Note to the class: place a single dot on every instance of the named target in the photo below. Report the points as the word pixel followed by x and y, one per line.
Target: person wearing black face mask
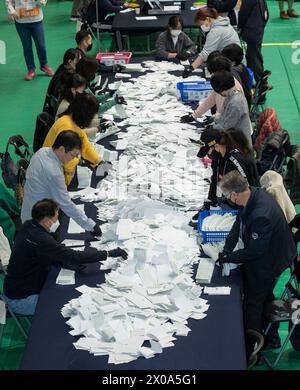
pixel 35 250
pixel 268 250
pixel 229 151
pixel 85 44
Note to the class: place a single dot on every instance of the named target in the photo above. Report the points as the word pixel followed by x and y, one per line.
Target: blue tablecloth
pixel 215 342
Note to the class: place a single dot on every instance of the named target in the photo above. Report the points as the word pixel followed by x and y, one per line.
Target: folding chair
pixel 285 309
pixel 15 317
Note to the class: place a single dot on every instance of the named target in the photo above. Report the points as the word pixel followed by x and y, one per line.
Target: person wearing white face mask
pixel 220 34
pixel 35 249
pixel 174 44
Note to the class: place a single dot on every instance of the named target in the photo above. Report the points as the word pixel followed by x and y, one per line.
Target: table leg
pixel 119 40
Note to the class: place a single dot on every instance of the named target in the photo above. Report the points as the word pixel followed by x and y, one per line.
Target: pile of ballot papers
pixel 146 300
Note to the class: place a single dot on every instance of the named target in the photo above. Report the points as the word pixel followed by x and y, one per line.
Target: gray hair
pixel 233 182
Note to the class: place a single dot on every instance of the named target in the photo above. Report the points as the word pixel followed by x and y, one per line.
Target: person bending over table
pixel 268 250
pixel 174 44
pixel 77 117
pixel 35 250
pixel 230 151
pixel 235 112
pixel 216 62
pixel 87 68
pixel 45 179
pixel 220 34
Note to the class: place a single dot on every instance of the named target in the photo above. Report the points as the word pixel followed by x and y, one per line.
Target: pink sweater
pixel 213 99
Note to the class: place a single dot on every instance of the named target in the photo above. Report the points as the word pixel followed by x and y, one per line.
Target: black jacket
pixel 240 72
pixel 268 243
pixel 34 251
pixel 105 7
pixel 233 161
pixel 253 17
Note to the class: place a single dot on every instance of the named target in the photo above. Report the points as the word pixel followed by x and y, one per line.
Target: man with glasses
pixel 268 248
pixel 45 179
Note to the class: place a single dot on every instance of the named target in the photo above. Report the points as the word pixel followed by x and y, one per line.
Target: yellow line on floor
pixel 297 43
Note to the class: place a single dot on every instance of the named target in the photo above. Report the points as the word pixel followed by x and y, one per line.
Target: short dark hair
pixel 74 81
pixel 69 140
pixel 82 108
pixel 81 35
pixel 233 181
pixel 222 81
pixel 217 62
pixel 87 68
pixel 44 208
pixel 174 21
pixel 234 53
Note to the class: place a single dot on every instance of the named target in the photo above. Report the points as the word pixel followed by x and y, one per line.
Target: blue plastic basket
pixel 191 91
pixel 211 236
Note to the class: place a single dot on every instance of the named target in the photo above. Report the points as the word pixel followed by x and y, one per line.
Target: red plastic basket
pixel 114 58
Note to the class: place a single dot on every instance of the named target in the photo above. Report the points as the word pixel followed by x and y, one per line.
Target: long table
pixel 127 23
pixel 215 343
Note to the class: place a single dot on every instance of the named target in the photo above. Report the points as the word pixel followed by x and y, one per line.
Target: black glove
pixel 118 253
pixel 187 71
pixel 111 92
pixel 187 118
pixel 183 56
pixel 208 120
pixel 223 258
pixel 97 231
pixel 120 100
pixel 118 68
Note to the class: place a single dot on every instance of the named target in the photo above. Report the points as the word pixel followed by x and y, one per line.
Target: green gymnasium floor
pixel 21 101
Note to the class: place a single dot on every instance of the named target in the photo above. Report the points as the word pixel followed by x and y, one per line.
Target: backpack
pixel 274 150
pixel 292 175
pixel 13 173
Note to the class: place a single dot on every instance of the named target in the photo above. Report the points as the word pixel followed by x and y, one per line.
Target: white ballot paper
pixel 65 277
pixel 217 290
pixel 74 228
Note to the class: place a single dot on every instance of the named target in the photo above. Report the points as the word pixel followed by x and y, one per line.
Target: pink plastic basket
pixel 114 58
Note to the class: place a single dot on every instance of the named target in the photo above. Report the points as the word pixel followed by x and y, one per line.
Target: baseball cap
pixel 208 139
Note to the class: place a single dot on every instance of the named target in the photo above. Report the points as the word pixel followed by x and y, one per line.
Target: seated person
pixel 85 44
pixel 60 77
pixel 230 151
pixel 235 112
pixel 174 44
pixel 105 8
pixel 35 250
pixel 87 68
pixel 76 85
pixel 77 117
pixel 45 179
pixel 216 62
pixel 235 54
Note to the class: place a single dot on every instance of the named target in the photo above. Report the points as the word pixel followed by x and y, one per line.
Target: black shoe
pixel 254 343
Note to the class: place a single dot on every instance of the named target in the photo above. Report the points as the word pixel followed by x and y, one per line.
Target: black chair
pixel 44 122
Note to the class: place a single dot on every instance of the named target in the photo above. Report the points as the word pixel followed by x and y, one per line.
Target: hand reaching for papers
pixel 120 100
pixel 97 232
pixel 183 56
pixel 118 68
pixel 187 118
pixel 187 71
pixel 118 252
